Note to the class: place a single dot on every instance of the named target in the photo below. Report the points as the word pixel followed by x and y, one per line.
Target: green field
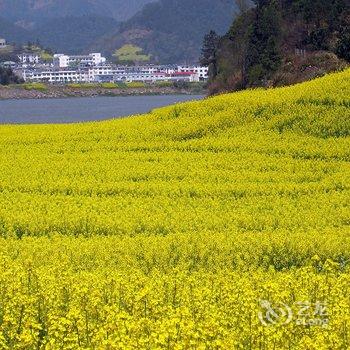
pixel 166 230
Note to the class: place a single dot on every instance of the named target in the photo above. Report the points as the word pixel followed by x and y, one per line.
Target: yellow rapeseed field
pixel 218 224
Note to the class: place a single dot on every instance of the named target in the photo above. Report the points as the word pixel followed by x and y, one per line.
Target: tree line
pixel 266 32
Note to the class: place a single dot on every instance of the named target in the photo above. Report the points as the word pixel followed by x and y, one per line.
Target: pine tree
pixel 263 50
pixel 209 50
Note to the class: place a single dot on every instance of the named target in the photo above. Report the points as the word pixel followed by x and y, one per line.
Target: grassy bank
pixel 41 90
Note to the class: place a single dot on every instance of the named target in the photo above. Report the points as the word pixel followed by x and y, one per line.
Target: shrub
pixel 35 86
pixel 82 85
pixel 164 83
pixel 109 86
pixel 135 85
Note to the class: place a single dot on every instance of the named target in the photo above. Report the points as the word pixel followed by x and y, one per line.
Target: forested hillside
pixel 172 30
pixel 34 10
pixel 168 30
pixel 13 32
pixel 73 39
pixel 64 25
pixel 281 42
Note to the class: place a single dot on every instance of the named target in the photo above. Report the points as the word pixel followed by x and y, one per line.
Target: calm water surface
pixel 71 110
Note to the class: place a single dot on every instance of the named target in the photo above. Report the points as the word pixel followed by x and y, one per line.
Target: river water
pixel 72 110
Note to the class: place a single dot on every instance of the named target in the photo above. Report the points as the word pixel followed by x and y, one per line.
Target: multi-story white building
pixel 132 76
pixel 29 58
pixel 99 72
pixel 104 74
pixel 146 69
pixel 65 61
pixel 147 77
pixel 106 70
pixel 57 76
pixel 185 76
pixel 2 43
pixel 201 71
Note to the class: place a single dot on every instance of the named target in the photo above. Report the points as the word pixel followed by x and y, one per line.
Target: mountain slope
pixel 64 25
pixel 33 10
pixel 73 39
pixel 13 33
pixel 172 30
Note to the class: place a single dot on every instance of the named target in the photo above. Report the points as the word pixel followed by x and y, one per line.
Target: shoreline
pixel 57 92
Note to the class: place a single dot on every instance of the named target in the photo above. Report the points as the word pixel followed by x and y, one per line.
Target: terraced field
pixel 176 229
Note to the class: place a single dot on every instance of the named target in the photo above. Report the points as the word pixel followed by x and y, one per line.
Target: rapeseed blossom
pixel 195 226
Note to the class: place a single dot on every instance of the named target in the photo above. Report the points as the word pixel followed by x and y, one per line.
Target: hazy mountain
pixel 64 25
pixel 12 32
pixel 33 10
pixel 72 39
pixel 62 34
pixel 171 30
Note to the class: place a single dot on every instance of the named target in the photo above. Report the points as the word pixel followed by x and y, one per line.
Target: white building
pixel 8 64
pixel 57 76
pixel 185 76
pixel 104 74
pixel 132 76
pixel 98 72
pixel 65 61
pixel 146 69
pixel 2 43
pixel 106 70
pixel 29 58
pixel 201 71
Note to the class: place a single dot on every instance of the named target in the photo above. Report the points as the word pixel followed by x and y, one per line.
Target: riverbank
pixel 40 91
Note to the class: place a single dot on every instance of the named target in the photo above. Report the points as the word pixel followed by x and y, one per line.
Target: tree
pixel 343 47
pixel 259 49
pixel 209 51
pixel 242 6
pixel 261 3
pixel 263 49
pixel 239 35
pixel 8 77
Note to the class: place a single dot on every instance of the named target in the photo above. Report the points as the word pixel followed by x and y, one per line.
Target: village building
pixel 2 43
pixel 57 76
pixel 92 68
pixel 200 70
pixel 29 58
pixel 8 64
pixel 90 60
